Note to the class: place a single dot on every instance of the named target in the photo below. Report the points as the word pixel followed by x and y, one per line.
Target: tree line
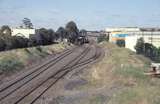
pixel 148 50
pixel 42 36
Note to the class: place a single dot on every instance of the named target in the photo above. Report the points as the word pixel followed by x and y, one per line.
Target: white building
pixel 120 33
pixel 149 37
pixel 131 34
pixel 122 29
pixel 22 32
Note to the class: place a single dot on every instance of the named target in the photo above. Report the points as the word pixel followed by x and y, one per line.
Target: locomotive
pixel 82 40
pixel 78 38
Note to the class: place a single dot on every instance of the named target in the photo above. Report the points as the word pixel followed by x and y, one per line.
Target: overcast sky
pixel 88 14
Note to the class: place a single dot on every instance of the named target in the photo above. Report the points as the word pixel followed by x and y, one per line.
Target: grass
pixel 8 65
pixel 98 99
pixel 15 60
pixel 128 70
pixel 124 70
pixel 143 94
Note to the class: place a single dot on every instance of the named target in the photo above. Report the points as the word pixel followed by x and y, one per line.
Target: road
pixel 29 86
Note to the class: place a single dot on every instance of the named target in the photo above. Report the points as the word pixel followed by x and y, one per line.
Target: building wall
pixel 120 33
pixel 114 36
pixel 131 35
pixel 122 29
pixel 152 38
pixel 130 42
pixel 23 32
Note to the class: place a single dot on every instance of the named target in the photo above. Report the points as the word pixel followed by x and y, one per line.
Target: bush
pixel 42 37
pixel 133 72
pixel 102 38
pixel 39 48
pixel 19 42
pixel 32 41
pixel 2 44
pixel 10 64
pixel 148 50
pixel 8 43
pixel 140 46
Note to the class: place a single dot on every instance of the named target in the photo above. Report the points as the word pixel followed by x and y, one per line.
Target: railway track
pixel 4 92
pixel 51 80
pixel 24 75
pixel 22 88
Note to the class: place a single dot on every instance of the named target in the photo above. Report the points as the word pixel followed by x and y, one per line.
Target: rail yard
pixel 29 86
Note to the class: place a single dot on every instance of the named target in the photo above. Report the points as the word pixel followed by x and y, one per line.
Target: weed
pixel 10 64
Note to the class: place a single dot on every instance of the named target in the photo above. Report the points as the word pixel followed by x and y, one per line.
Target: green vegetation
pixel 72 32
pixel 27 23
pixel 10 64
pixel 97 100
pixel 133 72
pixel 138 95
pixel 62 33
pixel 126 69
pixel 14 60
pixel 148 50
pixel 102 38
pixel 42 36
pixel 120 76
pixel 140 46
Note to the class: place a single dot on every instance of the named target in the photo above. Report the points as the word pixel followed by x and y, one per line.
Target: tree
pixel 71 26
pixel 140 46
pixel 2 44
pixel 19 42
pixel 151 51
pixel 6 37
pixel 41 36
pixel 6 30
pixel 46 37
pixel 61 32
pixel 158 58
pixel 147 49
pixel 72 31
pixel 51 36
pixel 27 23
pixel 33 41
pixel 154 53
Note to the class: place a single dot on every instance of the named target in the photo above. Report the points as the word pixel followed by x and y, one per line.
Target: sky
pixel 88 14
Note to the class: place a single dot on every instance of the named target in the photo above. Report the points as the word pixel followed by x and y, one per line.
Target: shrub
pixel 2 44
pixel 39 48
pixel 102 38
pixel 148 50
pixel 8 42
pixel 42 37
pixel 133 72
pixel 19 42
pixel 10 64
pixel 32 41
pixel 140 46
